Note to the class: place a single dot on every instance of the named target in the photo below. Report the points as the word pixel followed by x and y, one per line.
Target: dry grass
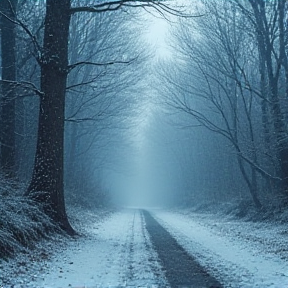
pixel 22 220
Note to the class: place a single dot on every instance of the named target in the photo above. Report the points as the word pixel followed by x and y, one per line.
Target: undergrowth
pixel 246 210
pixel 22 220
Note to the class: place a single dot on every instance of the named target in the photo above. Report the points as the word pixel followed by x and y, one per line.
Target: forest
pixel 94 116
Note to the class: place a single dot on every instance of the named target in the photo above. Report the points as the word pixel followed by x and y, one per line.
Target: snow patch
pixel 234 262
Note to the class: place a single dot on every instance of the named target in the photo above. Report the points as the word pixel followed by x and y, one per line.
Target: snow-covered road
pixel 234 261
pixel 118 253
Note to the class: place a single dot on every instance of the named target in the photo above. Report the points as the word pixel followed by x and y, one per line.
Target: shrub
pixel 22 220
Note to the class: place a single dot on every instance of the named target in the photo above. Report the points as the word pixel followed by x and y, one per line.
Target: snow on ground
pixel 119 255
pixel 116 252
pixel 237 253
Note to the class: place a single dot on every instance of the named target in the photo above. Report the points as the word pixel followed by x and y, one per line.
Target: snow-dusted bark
pixel 47 180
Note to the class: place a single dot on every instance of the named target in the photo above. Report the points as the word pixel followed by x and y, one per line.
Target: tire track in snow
pixel 181 269
pixel 130 251
pixel 143 265
pixel 234 262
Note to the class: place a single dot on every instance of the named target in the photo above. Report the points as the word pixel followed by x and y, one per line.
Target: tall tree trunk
pixel 252 184
pixel 266 48
pixel 8 54
pixel 283 142
pixel 47 180
pixel 71 156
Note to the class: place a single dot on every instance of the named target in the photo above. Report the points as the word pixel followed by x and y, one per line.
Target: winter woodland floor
pixel 129 248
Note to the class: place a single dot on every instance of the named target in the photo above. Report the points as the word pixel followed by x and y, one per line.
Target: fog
pixel 161 111
pixel 164 157
pixel 151 175
pixel 180 105
pixel 165 163
pixel 186 132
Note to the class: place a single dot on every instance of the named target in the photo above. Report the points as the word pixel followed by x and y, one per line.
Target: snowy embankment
pixel 239 254
pixel 116 252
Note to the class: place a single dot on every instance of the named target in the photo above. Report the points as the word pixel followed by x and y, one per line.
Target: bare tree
pixel 47 179
pixel 218 87
pixel 100 99
pixel 270 30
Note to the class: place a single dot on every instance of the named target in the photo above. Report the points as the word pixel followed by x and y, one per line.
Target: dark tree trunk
pixel 265 44
pixel 252 184
pixel 8 54
pixel 47 180
pixel 283 142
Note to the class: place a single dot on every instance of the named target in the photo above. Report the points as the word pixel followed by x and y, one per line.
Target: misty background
pixel 181 111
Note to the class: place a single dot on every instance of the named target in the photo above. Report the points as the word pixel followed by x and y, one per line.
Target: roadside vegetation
pixel 22 221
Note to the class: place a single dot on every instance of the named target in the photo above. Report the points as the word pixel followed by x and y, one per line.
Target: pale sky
pixel 157 36
pixel 158 29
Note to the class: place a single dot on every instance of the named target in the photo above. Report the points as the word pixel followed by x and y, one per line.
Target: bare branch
pixel 72 66
pixel 157 5
pixel 29 33
pixel 25 85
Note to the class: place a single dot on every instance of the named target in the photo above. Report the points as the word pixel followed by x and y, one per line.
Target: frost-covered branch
pixel 72 66
pixel 18 22
pixel 23 84
pixel 157 5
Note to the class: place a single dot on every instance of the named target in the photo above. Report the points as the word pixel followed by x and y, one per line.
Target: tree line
pixel 231 79
pixel 65 72
pixel 69 70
